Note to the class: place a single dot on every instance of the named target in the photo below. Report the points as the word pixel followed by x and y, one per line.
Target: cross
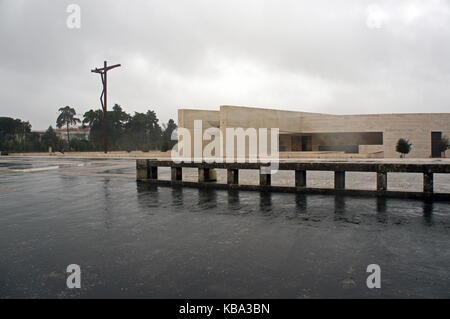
pixel 103 98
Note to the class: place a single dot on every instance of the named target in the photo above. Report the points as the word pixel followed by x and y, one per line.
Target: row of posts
pixel 300 178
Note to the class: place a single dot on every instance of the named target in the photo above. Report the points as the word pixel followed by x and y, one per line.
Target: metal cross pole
pixel 103 98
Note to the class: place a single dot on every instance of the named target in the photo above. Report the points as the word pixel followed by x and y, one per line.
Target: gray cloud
pixel 322 56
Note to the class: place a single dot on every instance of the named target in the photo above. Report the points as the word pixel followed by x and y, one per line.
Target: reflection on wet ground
pixel 140 240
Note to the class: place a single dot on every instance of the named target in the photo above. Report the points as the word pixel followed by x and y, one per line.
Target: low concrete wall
pixel 147 170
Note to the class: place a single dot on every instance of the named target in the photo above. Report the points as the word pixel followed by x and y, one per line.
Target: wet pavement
pixel 138 240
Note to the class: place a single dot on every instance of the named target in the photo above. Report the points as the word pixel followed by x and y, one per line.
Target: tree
pixel 14 128
pixel 115 121
pixel 168 129
pixel 444 145
pixel 94 120
pixel 91 117
pixel 67 117
pixel 120 118
pixel 13 133
pixel 143 131
pixel 50 139
pixel 403 147
pixel 80 145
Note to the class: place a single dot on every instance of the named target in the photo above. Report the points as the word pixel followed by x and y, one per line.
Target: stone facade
pixel 370 134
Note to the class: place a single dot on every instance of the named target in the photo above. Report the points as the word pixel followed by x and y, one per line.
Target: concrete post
pixel 232 176
pixel 264 179
pixel 428 182
pixel 212 175
pixel 381 181
pixel 153 172
pixel 203 175
pixel 339 180
pixel 300 178
pixel 176 173
pixel 141 169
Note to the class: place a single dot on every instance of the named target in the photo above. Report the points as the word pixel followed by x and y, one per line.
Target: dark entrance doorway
pixel 296 143
pixel 306 143
pixel 435 139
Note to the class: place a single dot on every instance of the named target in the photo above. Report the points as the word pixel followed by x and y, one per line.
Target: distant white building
pixel 74 132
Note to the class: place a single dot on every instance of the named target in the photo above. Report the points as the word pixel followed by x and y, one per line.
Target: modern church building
pixel 304 134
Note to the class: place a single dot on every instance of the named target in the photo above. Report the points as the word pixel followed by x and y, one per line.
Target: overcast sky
pixel 341 57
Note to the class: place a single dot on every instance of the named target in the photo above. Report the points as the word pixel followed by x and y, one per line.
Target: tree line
pixel 126 132
pixel 16 136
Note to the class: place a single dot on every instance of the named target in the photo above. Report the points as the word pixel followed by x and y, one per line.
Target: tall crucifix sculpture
pixel 103 98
